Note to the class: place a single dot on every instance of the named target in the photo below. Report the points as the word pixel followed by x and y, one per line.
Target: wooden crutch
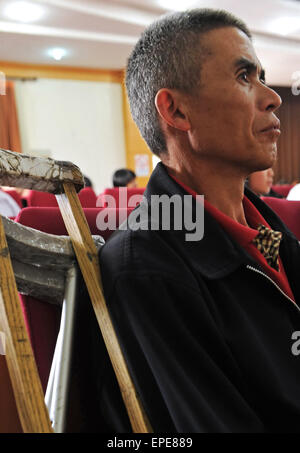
pixel 65 179
pixel 26 384
pixel 45 267
pixel 37 262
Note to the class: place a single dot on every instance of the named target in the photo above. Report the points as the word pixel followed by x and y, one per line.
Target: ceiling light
pixel 285 25
pixel 24 11
pixel 57 53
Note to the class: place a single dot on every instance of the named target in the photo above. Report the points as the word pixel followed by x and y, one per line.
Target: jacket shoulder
pixel 142 252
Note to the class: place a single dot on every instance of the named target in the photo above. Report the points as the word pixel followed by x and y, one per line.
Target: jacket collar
pixel 216 254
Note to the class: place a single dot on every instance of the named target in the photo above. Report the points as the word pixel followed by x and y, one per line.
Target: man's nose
pixel 270 100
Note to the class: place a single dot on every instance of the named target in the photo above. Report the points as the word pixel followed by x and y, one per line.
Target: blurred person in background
pixel 260 182
pixel 87 182
pixel 8 206
pixel 124 178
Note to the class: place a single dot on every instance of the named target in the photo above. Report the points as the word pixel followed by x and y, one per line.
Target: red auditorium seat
pixel 50 220
pixel 282 189
pixel 40 199
pixel 87 197
pixel 288 211
pixel 124 197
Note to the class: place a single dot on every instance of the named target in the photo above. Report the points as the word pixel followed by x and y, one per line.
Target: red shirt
pixel 244 235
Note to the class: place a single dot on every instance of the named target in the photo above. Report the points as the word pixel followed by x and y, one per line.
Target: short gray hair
pixel 169 55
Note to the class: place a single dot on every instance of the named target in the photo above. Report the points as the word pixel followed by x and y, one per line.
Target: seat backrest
pixel 40 199
pixel 282 189
pixel 288 211
pixel 87 197
pixel 124 197
pixel 50 220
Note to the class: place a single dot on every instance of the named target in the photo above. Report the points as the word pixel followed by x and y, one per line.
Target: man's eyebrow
pixel 250 66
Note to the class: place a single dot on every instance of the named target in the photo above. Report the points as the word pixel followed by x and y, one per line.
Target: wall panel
pixel 287 168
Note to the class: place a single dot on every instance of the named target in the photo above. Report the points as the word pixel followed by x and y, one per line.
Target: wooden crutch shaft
pixel 21 364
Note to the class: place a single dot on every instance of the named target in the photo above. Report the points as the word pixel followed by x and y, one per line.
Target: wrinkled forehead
pixel 228 46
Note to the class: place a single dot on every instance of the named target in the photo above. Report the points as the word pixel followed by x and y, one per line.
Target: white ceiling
pixel 101 34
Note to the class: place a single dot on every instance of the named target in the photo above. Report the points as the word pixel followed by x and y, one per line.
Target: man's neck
pixel 221 186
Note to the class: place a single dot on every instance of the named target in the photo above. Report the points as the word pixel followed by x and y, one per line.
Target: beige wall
pixel 135 144
pixel 287 167
pixel 74 120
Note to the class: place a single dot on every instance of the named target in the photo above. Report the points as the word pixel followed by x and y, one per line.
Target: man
pixel 207 326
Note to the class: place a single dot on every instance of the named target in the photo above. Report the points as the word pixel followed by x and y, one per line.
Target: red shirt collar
pixel 243 234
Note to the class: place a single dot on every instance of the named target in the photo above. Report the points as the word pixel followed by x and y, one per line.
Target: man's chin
pixel 262 165
pixel 269 157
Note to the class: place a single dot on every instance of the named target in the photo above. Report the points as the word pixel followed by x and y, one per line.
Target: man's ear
pixel 171 109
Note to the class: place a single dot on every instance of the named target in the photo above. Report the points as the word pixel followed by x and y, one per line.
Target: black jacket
pixel 207 335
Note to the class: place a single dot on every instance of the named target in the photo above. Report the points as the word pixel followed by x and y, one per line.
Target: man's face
pixel 232 111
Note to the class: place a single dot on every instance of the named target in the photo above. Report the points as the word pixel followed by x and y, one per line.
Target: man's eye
pixel 244 76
